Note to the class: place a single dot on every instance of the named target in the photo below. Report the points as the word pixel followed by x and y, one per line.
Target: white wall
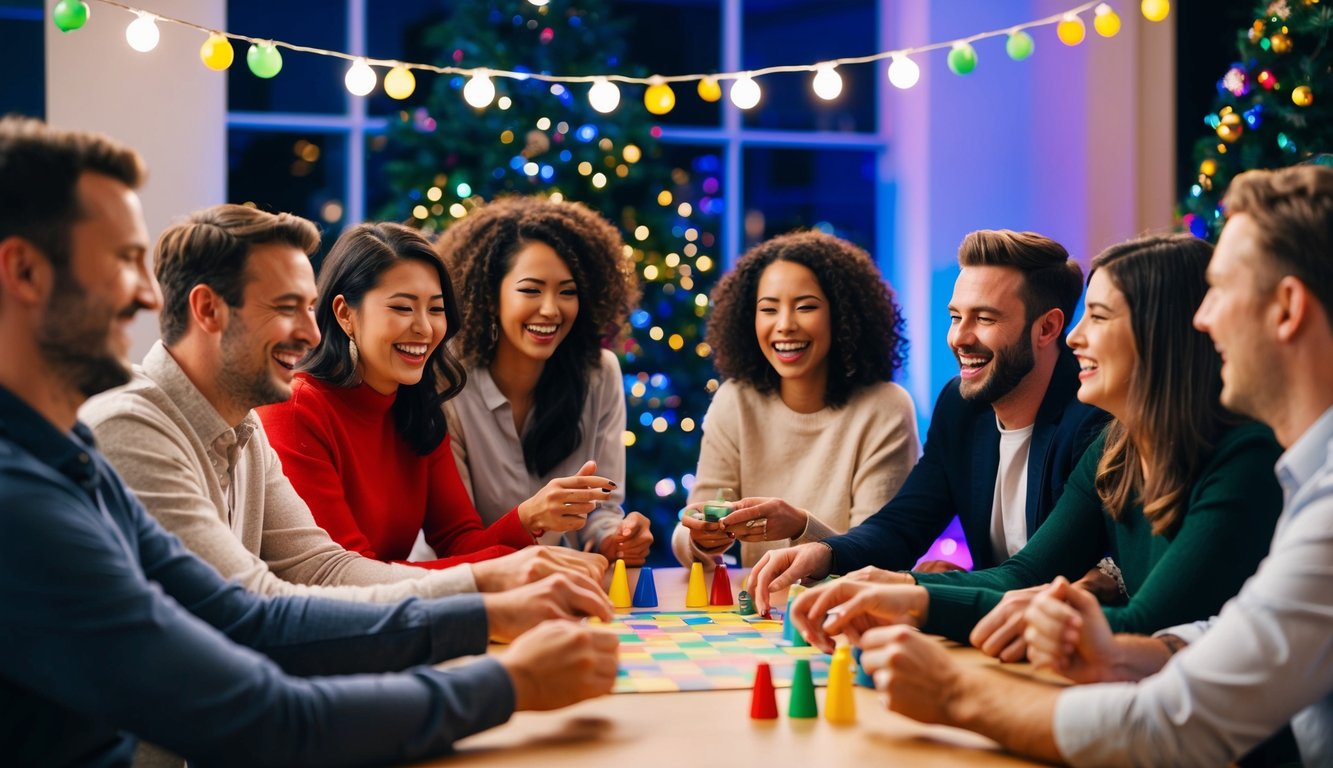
pixel 164 103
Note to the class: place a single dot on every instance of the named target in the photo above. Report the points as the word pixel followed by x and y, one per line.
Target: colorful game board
pixel 704 651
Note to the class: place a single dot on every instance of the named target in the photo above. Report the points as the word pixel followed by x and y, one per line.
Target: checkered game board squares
pixel 704 651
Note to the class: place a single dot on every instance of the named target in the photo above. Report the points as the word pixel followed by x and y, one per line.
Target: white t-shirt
pixel 1008 521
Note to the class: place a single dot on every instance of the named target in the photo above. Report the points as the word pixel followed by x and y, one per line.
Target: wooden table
pixel 714 728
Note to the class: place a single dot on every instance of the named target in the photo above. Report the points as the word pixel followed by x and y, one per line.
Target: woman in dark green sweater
pixel 1178 492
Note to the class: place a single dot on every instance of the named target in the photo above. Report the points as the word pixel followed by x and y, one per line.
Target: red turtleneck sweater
pixel 368 488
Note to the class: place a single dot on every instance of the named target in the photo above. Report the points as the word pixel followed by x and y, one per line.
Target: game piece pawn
pixel 746 604
pixel 619 592
pixel 789 631
pixel 862 679
pixel 840 701
pixel 696 596
pixel 763 699
pixel 802 703
pixel 645 592
pixel 721 587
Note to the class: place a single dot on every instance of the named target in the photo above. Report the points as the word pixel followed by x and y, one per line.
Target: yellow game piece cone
pixel 839 701
pixel 619 592
pixel 697 595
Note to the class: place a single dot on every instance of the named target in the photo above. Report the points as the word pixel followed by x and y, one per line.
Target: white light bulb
pixel 479 91
pixel 360 78
pixel 604 96
pixel 828 83
pixel 539 3
pixel 142 34
pixel 903 72
pixel 745 92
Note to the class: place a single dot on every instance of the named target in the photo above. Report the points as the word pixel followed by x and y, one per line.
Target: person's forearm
pixel 1015 712
pixel 1137 657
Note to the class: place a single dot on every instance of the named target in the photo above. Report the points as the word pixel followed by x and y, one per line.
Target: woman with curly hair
pixel 544 285
pixel 363 437
pixel 808 426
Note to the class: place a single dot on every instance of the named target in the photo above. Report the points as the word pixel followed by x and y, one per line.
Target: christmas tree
pixel 536 137
pixel 1274 106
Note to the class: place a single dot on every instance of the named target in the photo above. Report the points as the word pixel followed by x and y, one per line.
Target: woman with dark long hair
pixel 1176 499
pixel 807 426
pixel 363 438
pixel 545 286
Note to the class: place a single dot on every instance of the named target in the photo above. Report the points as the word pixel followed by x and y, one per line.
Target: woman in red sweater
pixel 363 437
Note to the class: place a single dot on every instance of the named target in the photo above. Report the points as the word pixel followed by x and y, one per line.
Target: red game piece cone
pixel 763 700
pixel 721 587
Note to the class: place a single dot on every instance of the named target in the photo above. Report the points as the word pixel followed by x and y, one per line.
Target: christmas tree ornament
pixel 1230 127
pixel 1281 43
pixel 1302 96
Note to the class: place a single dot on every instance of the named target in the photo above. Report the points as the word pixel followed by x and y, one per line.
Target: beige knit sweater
pixel 840 465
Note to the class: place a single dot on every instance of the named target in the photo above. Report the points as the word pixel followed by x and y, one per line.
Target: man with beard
pixel 1004 435
pixel 1204 693
pixel 238 291
pixel 113 630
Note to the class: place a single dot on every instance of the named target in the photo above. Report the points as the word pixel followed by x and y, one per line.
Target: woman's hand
pixel 760 518
pixel 711 537
pixel 564 503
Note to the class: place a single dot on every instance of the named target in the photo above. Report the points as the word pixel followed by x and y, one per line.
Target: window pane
pixel 398 30
pixel 24 90
pixel 830 189
pixel 295 172
pixel 307 82
pixel 778 32
pixel 677 38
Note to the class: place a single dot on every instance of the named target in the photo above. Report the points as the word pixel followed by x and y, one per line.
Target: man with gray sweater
pixel 238 289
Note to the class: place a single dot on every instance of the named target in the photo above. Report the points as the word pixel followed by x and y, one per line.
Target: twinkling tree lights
pixel 465 140
pixel 1274 106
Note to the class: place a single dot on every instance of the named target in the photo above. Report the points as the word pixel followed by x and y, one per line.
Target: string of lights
pixel 264 59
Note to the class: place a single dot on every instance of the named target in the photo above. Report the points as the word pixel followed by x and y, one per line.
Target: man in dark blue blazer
pixel 1017 381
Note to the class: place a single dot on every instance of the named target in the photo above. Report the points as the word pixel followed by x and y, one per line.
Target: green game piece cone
pixel 802 704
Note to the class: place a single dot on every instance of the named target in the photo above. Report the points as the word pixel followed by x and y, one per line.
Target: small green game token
pixel 720 507
pixel 746 604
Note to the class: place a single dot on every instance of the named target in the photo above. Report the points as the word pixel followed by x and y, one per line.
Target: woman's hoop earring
pixel 353 353
pixel 495 332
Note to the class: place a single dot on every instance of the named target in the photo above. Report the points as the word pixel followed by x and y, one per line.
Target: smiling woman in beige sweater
pixel 808 428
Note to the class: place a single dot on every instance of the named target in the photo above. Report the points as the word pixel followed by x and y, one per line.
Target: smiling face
pixel 84 330
pixel 539 302
pixel 792 322
pixel 989 333
pixel 1235 313
pixel 398 326
pixel 1103 343
pixel 272 329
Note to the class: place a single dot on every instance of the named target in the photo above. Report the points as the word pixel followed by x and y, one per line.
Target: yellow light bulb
pixel 659 99
pixel 709 90
pixel 1107 21
pixel 1155 10
pixel 216 52
pixel 1071 30
pixel 400 82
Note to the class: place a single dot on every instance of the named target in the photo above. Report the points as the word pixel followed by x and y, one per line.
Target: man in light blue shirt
pixel 1206 693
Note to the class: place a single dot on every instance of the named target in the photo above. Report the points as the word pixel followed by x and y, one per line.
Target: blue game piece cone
pixel 645 592
pixel 862 679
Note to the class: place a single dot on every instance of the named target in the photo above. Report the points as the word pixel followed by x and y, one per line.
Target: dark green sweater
pixel 1182 577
